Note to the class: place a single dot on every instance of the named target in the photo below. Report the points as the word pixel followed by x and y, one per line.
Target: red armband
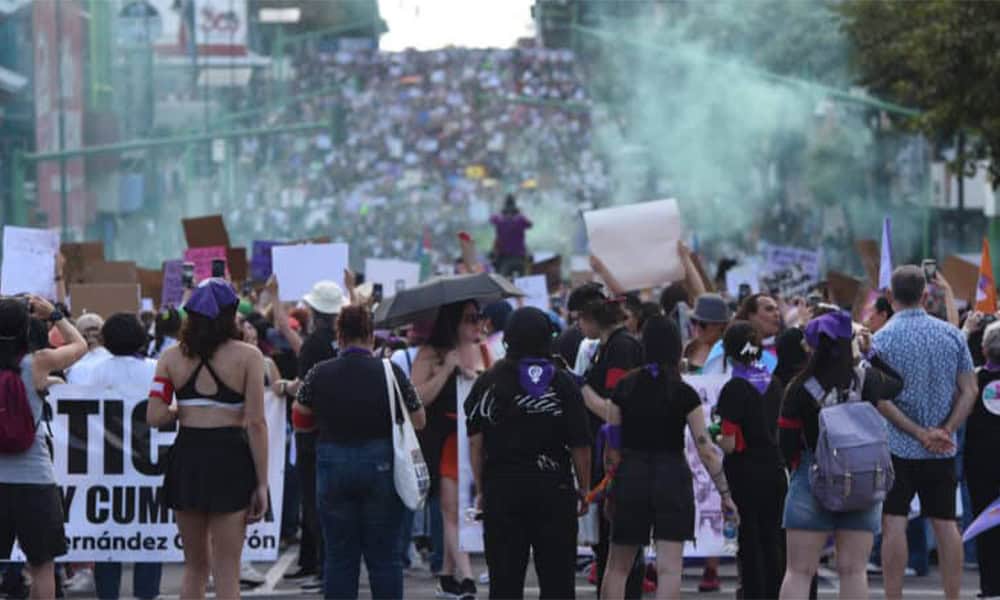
pixel 614 375
pixel 732 429
pixel 303 422
pixel 786 423
pixel 163 389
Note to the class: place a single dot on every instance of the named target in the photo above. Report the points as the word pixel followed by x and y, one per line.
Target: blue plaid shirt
pixel 929 354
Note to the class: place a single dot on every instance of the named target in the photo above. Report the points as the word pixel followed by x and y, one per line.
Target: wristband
pixel 162 389
pixel 56 316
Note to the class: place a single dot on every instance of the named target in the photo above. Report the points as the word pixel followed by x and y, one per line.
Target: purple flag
pixel 885 261
pixel 988 519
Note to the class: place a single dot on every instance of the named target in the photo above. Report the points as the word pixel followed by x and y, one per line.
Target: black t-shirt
pixel 568 343
pixel 754 413
pixel 349 398
pixel 613 360
pixel 317 347
pixel 525 435
pixel 982 430
pixel 654 411
pixel 800 410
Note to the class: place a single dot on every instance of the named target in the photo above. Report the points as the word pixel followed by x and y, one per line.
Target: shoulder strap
pixel 395 395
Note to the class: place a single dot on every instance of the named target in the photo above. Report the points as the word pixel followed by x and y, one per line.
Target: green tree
pixel 941 57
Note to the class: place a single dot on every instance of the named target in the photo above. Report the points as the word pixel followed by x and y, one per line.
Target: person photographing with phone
pixel 216 472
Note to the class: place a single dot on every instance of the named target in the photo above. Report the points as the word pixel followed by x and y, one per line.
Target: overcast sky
pixel 429 24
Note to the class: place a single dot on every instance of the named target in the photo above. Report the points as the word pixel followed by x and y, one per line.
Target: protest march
pixel 399 298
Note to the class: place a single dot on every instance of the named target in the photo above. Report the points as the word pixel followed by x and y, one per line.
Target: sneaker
pixel 467 590
pixel 873 569
pixel 709 581
pixel 302 573
pixel 82 582
pixel 448 588
pixel 312 586
pixel 910 572
pixel 250 576
pixel 484 579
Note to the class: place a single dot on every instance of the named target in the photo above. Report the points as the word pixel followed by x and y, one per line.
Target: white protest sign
pixel 111 473
pixel 708 516
pixel 536 292
pixel 784 257
pixel 708 511
pixel 470 531
pixel 299 267
pixel 394 275
pixel 638 242
pixel 29 261
pixel 744 274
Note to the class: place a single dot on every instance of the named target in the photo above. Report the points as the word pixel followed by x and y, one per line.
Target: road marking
pixel 275 573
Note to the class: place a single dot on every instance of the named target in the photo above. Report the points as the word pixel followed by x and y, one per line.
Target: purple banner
pixel 260 260
pixel 173 283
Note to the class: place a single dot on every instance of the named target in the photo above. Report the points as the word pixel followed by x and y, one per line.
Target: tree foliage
pixel 941 57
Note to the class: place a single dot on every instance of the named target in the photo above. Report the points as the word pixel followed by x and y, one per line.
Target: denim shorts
pixel 803 511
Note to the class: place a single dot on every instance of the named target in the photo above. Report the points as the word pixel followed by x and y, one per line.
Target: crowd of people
pixel 577 415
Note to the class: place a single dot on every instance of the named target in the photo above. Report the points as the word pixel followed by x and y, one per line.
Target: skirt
pixel 210 470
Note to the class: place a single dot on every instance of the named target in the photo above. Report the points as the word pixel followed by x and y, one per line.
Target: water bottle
pixel 730 531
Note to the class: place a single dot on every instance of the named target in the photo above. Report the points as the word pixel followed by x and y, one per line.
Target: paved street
pixel 420 585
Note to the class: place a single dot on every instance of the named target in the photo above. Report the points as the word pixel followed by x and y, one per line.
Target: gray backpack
pixel 853 466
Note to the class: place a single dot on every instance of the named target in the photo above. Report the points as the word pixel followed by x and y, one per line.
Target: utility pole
pixel 63 202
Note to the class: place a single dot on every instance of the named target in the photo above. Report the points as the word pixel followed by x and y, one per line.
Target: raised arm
pixel 692 277
pixel 56 359
pixel 281 317
pixel 602 271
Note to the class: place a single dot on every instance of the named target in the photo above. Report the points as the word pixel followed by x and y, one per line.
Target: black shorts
pixel 32 514
pixel 933 480
pixel 652 491
pixel 209 470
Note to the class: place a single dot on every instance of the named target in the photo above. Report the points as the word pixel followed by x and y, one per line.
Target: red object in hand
pixel 464 236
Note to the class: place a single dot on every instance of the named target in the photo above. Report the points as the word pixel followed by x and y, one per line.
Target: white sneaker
pixel 82 582
pixel 249 575
pixel 484 579
pixel 872 568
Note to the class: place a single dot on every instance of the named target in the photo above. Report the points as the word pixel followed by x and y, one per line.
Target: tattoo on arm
pixel 702 440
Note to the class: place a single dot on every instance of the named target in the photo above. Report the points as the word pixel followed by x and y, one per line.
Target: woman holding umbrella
pixel 452 351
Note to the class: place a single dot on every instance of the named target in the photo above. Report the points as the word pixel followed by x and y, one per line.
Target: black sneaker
pixel 448 588
pixel 312 586
pixel 302 573
pixel 467 590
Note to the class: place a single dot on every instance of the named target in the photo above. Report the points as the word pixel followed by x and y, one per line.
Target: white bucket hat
pixel 325 297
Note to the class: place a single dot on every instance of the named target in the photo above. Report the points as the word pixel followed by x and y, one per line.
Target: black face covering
pixel 528 333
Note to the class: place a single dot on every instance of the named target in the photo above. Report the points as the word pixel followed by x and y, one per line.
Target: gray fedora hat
pixel 710 308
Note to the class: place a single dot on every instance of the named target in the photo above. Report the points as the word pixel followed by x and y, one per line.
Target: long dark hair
pixel 661 345
pixel 831 363
pixel 605 312
pixel 13 333
pixel 444 335
pixel 168 323
pixel 201 336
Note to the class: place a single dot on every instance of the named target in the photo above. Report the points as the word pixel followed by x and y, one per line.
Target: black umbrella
pixel 423 300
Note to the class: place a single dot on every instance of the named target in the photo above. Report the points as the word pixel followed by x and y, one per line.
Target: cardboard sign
pixel 743 274
pixel 260 260
pixel 963 277
pixel 173 284
pixel 202 259
pixel 105 299
pixel 204 232
pixel 870 252
pixel 29 261
pixel 151 283
pixel 299 267
pixel 779 258
pixel 78 256
pixel 236 262
pixel 638 242
pixel 552 269
pixel 843 288
pixel 536 292
pixel 394 275
pixel 111 272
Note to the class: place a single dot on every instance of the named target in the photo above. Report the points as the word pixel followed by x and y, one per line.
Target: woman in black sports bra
pixel 216 472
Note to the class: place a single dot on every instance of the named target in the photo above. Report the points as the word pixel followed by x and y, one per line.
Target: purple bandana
pixel 210 297
pixel 835 325
pixel 991 366
pixel 755 374
pixel 356 350
pixel 653 369
pixel 535 375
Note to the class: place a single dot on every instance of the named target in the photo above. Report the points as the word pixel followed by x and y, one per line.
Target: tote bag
pixel 410 474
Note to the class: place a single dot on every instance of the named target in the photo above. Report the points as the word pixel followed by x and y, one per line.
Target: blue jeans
pixel 360 514
pixel 145 580
pixel 406 537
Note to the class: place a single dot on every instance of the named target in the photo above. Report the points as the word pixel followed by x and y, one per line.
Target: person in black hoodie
pixel 528 434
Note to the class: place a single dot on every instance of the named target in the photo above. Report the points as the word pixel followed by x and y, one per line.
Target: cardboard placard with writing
pixel 111 272
pixel 202 259
pixel 78 255
pixel 173 283
pixel 963 277
pixel 870 253
pixel 203 232
pixel 104 299
pixel 552 269
pixel 236 261
pixel 151 283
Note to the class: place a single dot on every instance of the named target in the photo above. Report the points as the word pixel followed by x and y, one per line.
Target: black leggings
pixel 759 489
pixel 983 479
pixel 524 518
